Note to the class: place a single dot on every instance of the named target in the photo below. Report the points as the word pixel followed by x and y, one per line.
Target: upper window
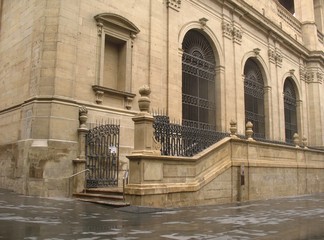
pixel 198 81
pixel 116 35
pixel 254 98
pixel 289 5
pixel 290 110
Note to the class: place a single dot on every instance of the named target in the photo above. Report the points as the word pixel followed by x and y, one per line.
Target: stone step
pixel 104 191
pixel 99 196
pixel 105 202
pixel 106 196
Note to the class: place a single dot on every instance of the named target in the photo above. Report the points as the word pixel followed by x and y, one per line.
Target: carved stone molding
pixel 203 22
pixel 100 26
pixel 256 51
pixel 99 95
pixel 319 76
pixel 227 29
pixel 275 56
pixel 100 91
pixel 278 58
pixel 174 4
pixel 237 35
pixel 132 37
pixel 302 72
pixel 310 74
pixel 313 76
pixel 105 20
pixel 309 77
pixel 232 31
pixel 272 55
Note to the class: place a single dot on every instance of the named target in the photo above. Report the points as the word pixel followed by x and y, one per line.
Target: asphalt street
pixel 23 217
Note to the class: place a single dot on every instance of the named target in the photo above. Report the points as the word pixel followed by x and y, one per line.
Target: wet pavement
pixel 32 218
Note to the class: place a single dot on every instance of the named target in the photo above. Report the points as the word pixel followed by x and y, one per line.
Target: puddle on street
pixel 32 218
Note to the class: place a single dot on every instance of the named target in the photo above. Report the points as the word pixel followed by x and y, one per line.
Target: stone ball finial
pixel 144 101
pixel 233 128
pixel 144 90
pixel 249 131
pixel 83 110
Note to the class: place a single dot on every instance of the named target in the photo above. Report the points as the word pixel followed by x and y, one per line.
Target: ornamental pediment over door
pixel 117 20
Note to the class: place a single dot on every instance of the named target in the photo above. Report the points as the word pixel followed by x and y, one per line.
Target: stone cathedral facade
pixel 68 66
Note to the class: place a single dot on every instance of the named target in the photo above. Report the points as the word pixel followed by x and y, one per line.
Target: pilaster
pixel 268 96
pixel 234 85
pixel 305 13
pixel 237 35
pixel 274 100
pixel 174 77
pixel 314 77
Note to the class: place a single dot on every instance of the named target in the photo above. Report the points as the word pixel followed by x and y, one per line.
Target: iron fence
pixel 183 140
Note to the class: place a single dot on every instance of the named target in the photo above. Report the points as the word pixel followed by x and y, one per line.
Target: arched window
pixel 198 81
pixel 290 110
pixel 254 98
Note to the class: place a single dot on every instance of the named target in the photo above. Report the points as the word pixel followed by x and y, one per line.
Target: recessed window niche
pixel 116 35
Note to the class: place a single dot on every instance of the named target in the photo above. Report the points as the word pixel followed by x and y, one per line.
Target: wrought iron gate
pixel 102 156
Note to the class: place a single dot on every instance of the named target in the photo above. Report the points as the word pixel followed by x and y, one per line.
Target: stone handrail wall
pixel 158 177
pixel 166 174
pixel 232 169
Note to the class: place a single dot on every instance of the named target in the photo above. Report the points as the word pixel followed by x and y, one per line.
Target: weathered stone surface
pixel 270 171
pixel 53 52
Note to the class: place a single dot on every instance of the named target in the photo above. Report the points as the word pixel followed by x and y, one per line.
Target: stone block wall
pixel 270 171
pixel 50 59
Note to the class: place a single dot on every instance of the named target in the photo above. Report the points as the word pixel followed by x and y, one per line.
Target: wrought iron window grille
pixel 254 98
pixel 198 79
pixel 290 110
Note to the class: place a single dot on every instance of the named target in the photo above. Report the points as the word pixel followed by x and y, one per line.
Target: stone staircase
pixel 106 196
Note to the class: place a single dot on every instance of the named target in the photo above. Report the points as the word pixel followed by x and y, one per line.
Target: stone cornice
pixel 316 56
pixel 67 101
pixel 252 16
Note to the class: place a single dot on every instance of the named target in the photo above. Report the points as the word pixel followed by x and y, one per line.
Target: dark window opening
pixel 198 82
pixel 290 110
pixel 289 5
pixel 254 98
